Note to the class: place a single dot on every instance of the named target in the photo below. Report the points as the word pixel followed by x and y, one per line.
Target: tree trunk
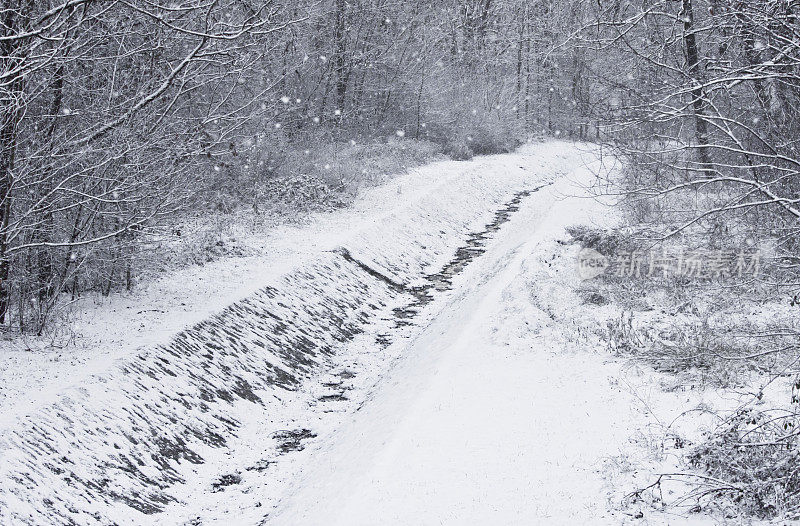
pixel 695 74
pixel 520 55
pixel 339 54
pixel 10 115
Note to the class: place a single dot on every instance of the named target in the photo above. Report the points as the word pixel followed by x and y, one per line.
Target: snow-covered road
pixel 491 416
pixel 325 397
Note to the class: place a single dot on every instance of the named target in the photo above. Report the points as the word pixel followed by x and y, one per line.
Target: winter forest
pixel 152 146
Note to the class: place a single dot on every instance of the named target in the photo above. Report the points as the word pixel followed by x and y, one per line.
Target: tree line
pixel 708 103
pixel 115 114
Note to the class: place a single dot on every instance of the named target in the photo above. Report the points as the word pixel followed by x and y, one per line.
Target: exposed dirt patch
pixel 226 480
pixel 292 440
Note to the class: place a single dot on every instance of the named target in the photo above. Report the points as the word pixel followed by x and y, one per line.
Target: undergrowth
pixel 717 333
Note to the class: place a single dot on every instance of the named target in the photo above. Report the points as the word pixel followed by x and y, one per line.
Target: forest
pixel 119 116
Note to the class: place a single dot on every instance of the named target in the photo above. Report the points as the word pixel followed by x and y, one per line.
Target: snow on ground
pixel 213 410
pixel 496 413
pixel 491 416
pixel 32 372
pixel 492 404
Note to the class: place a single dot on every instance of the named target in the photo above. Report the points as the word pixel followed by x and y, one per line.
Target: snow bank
pixel 115 448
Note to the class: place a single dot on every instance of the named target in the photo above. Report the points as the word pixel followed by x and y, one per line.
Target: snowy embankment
pixel 144 431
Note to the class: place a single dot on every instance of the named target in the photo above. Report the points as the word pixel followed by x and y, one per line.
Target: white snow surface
pixel 494 414
pixel 107 329
pixel 307 402
pixel 490 417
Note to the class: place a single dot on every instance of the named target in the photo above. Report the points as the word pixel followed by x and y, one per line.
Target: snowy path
pixel 490 417
pixel 328 398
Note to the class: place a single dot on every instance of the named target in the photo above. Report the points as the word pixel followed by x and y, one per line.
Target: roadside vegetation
pixel 722 334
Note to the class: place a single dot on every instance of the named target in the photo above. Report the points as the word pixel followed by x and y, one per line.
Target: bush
pixel 470 139
pixel 458 150
pixel 755 457
pixel 484 140
pixel 604 241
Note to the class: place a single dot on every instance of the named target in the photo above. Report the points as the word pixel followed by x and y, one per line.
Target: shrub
pixel 755 457
pixel 604 241
pixel 485 137
pixel 485 140
pixel 458 150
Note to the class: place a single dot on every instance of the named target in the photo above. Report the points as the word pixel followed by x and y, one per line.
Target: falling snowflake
pixel 352 142
pixel 316 120
pixel 401 133
pixel 337 112
pixel 327 166
pixel 277 125
pixel 285 99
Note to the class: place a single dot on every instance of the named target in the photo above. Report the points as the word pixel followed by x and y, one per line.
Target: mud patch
pixel 347 374
pixel 338 397
pixel 384 340
pixel 261 465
